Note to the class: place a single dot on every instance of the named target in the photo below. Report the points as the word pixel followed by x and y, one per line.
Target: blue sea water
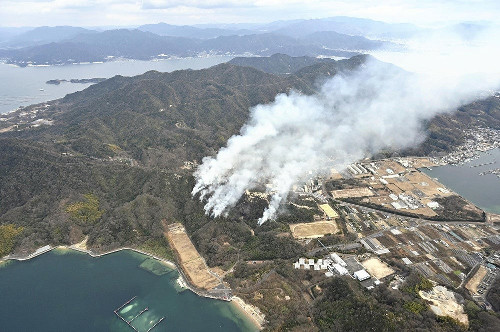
pixel 65 290
pixel 482 190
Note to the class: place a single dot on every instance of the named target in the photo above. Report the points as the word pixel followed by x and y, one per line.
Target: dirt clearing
pixel 377 268
pixel 313 230
pixel 192 263
pixel 476 279
pixel 352 192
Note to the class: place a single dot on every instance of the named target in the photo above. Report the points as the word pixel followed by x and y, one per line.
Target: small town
pixel 394 215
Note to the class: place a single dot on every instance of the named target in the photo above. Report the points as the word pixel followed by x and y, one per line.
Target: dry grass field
pixel 476 279
pixel 353 192
pixel 313 229
pixel 377 268
pixel 191 262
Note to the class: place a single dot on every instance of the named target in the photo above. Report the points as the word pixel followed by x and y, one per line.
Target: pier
pixel 116 310
pixel 140 313
pixel 123 319
pixel 158 322
pixel 485 164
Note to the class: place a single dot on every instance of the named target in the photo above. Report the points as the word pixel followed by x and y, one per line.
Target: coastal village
pixel 397 218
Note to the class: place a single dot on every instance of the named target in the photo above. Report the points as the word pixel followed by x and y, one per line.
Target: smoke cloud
pixel 354 115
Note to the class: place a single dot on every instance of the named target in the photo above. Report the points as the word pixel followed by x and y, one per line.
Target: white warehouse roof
pixel 361 275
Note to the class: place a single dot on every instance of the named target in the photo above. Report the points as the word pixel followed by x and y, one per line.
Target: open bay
pixel 65 290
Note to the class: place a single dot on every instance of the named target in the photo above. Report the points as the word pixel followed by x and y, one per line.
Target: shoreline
pixel 250 311
pixel 246 309
pixel 120 59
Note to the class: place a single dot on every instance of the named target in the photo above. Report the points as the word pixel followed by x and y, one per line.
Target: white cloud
pixel 132 12
pixel 162 4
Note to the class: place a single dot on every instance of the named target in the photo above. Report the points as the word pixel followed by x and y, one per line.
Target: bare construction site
pixel 191 262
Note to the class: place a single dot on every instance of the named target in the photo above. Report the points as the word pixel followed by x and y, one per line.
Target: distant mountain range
pixel 65 44
pixel 137 44
pixel 43 35
pixel 335 36
pixel 164 29
pixel 350 26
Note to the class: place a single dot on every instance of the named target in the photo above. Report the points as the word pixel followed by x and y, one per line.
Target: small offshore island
pixel 76 80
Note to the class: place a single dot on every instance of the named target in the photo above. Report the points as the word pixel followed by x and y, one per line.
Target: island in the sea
pixel 76 80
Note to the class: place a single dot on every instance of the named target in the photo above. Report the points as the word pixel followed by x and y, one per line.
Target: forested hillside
pixel 116 163
pixel 134 141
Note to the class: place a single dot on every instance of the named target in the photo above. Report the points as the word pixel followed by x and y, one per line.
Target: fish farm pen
pixel 129 316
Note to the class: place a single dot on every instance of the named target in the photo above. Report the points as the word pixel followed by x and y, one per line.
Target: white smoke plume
pixel 354 115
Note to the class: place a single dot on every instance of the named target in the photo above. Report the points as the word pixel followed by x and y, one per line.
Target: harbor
pixel 477 181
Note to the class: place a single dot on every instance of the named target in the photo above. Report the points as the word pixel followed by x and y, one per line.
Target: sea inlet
pixel 474 180
pixel 65 290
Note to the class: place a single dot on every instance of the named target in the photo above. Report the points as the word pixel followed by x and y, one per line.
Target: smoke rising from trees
pixel 354 115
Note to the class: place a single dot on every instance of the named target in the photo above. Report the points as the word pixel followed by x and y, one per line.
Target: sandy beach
pixel 252 312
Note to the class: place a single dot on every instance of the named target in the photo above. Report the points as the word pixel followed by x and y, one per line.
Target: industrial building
pixel 336 258
pixel 361 275
pixel 340 269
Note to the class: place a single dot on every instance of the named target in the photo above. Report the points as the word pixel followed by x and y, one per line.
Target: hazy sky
pixel 136 12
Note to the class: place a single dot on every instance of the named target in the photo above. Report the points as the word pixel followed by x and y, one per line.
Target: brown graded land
pixel 420 162
pixel 313 229
pixel 335 175
pixel 444 303
pixel 377 268
pixel 353 192
pixel 384 165
pixel 190 260
pixel 476 279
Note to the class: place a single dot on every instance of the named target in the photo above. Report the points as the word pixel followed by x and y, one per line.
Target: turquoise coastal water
pixel 64 290
pixel 482 190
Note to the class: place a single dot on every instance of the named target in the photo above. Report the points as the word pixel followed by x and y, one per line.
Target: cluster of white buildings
pixel 404 201
pixel 334 264
pixel 311 264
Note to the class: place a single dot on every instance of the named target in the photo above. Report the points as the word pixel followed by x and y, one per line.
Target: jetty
pixel 158 322
pixel 123 319
pixel 484 164
pixel 116 310
pixel 140 313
